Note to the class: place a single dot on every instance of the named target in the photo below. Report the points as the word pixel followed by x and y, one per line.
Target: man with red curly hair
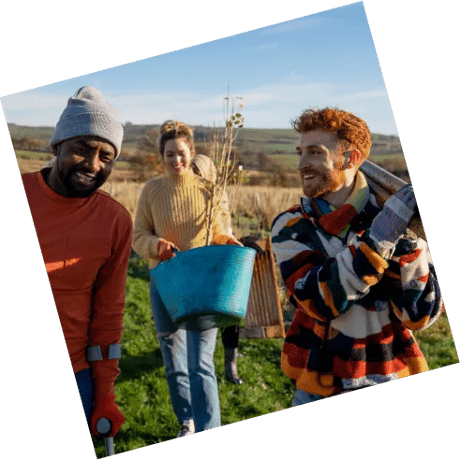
pixel 359 279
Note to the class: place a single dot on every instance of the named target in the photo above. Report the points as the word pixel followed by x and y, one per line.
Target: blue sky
pixel 322 59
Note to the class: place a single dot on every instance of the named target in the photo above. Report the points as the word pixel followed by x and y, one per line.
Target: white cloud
pixel 32 100
pixel 299 24
pixel 310 93
pixel 264 46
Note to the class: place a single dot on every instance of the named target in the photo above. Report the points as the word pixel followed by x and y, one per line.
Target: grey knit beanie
pixel 89 114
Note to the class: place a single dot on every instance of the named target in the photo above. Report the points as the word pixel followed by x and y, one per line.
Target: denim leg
pixel 85 387
pixel 173 346
pixel 203 382
pixel 174 352
pixel 302 397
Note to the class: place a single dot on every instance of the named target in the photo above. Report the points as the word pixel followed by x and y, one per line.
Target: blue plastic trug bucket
pixel 206 287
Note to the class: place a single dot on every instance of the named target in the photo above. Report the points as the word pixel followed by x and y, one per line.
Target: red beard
pixel 325 182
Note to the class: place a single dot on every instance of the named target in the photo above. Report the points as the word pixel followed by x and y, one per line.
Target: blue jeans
pixel 188 357
pixel 302 397
pixel 85 387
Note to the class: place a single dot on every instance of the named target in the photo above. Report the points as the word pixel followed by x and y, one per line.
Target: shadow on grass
pixel 133 367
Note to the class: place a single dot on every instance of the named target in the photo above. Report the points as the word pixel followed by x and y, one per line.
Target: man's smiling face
pixel 320 163
pixel 82 165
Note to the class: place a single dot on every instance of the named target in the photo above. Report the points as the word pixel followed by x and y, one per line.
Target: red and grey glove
pixel 165 249
pixel 234 241
pixel 104 366
pixel 105 407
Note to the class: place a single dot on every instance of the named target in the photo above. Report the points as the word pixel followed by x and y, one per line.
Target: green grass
pixel 257 140
pixel 141 388
pixel 288 160
pixel 437 343
pixel 387 157
pixel 268 140
pixel 30 155
pixel 37 132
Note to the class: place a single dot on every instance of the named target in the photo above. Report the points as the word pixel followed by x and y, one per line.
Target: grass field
pixel 29 155
pixel 267 140
pixel 43 156
pixel 260 140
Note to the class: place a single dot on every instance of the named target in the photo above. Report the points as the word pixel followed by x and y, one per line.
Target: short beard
pixel 73 191
pixel 76 192
pixel 330 182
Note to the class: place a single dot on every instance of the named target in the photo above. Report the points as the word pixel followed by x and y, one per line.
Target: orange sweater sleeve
pixel 107 308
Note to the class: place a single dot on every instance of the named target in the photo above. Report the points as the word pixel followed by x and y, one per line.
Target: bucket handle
pixel 174 250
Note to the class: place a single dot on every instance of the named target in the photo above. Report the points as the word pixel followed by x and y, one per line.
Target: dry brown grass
pixel 263 202
pixel 126 192
pixel 28 166
pixel 119 173
pixel 260 202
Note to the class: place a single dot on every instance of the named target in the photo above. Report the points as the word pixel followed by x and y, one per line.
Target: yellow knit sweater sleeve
pixel 145 241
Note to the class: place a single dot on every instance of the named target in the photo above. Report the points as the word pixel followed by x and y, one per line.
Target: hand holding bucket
pixel 166 249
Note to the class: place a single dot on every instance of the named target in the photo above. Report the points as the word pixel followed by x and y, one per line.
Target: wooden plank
pixel 264 317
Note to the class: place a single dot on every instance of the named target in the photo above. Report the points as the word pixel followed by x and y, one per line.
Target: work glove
pixel 165 249
pixel 233 241
pixel 105 407
pixel 391 222
pixel 222 238
pixel 250 242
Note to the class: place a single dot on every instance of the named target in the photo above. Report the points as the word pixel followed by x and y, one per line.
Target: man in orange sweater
pixel 85 238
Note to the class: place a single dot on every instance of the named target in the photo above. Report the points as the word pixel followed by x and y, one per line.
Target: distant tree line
pixel 30 143
pixel 144 158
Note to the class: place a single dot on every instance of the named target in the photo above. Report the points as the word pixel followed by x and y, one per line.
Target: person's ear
pixel 352 158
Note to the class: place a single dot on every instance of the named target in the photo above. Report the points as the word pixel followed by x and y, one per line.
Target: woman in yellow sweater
pixel 172 215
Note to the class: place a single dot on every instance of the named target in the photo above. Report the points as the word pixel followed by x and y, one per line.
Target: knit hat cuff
pixel 89 124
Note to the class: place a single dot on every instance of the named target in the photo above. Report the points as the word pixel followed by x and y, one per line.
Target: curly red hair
pixel 351 131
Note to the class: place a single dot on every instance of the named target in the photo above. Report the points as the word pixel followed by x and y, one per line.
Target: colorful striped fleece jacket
pixel 355 310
